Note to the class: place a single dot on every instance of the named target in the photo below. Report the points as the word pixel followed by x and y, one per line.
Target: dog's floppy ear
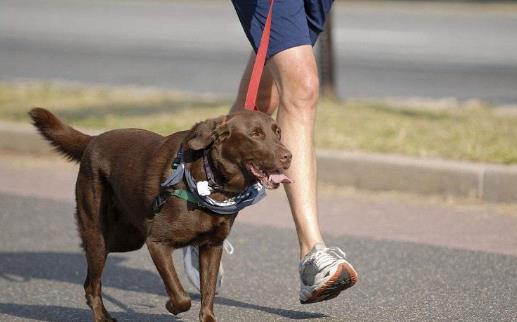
pixel 204 133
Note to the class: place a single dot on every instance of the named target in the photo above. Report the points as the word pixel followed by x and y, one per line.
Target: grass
pixel 473 132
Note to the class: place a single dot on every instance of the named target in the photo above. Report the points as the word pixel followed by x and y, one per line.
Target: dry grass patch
pixel 474 132
pixel 109 107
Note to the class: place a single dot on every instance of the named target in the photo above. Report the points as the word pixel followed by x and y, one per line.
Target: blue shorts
pixel 295 22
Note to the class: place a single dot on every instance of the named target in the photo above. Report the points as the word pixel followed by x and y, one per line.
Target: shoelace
pixel 337 252
pixel 325 257
pixel 228 247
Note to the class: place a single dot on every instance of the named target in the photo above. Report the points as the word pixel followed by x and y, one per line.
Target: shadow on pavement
pixel 71 268
pixel 53 313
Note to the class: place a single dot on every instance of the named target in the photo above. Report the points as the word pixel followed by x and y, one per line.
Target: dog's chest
pixel 212 229
pixel 193 227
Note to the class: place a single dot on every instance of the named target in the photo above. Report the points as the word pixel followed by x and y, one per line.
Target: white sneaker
pixel 191 264
pixel 324 273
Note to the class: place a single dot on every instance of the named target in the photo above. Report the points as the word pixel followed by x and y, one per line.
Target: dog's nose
pixel 285 158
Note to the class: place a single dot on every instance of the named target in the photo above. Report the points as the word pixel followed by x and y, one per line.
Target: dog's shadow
pixel 53 313
pixel 70 268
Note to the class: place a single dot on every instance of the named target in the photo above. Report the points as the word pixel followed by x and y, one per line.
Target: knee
pixel 267 101
pixel 301 94
pixel 177 306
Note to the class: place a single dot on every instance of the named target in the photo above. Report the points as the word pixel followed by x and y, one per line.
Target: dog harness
pixel 199 192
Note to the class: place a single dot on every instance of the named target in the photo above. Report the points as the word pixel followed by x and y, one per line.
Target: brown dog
pixel 119 177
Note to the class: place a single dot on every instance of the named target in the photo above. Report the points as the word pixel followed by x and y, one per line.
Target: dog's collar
pixel 212 183
pixel 199 192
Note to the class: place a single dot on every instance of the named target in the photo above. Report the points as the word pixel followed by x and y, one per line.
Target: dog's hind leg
pixel 162 258
pixel 90 217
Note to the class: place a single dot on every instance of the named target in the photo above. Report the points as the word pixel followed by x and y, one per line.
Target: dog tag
pixel 202 188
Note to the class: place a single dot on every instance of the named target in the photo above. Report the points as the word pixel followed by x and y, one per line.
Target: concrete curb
pixel 376 172
pixel 493 183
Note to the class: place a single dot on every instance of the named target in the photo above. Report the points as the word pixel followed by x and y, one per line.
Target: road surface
pixel 198 46
pixel 418 260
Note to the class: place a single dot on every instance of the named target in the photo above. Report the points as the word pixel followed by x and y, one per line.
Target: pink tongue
pixel 279 178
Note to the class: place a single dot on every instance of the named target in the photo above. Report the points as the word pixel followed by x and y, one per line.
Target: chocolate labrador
pixel 119 179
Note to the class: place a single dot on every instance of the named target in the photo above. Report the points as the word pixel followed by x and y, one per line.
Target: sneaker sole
pixel 344 277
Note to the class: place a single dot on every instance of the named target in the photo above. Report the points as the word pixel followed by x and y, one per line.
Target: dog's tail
pixel 64 138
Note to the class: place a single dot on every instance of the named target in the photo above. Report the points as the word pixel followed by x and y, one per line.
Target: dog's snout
pixel 285 158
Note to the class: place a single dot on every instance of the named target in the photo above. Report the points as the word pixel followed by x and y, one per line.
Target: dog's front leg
pixel 162 258
pixel 209 260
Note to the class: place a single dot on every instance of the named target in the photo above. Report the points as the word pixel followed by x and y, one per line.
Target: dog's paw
pixel 106 320
pixel 206 316
pixel 181 306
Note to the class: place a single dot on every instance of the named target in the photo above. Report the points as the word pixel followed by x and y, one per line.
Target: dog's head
pixel 245 148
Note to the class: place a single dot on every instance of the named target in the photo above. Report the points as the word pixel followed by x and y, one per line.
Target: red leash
pixel 260 61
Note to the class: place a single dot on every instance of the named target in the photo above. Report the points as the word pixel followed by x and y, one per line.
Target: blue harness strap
pixel 248 197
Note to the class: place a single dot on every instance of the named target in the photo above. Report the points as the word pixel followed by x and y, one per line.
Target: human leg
pixel 324 272
pixel 295 73
pixel 291 79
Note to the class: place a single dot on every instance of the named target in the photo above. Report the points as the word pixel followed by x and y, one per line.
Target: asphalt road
pixel 198 46
pixel 466 273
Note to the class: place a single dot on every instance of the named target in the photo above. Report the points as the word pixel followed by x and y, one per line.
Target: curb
pixel 487 182
pixel 375 172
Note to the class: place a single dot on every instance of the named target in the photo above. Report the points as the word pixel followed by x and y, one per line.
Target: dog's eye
pixel 276 130
pixel 278 133
pixel 257 133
